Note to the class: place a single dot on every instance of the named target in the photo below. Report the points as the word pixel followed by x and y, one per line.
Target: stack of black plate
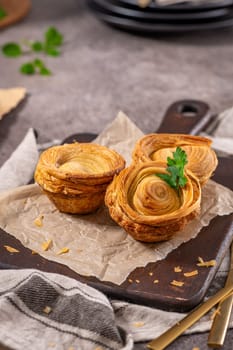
pixel 180 17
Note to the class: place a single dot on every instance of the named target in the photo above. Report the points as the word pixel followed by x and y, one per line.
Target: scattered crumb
pixel 191 273
pixel 47 310
pixel 151 273
pixel 156 281
pixel 34 252
pixel 63 251
pixel 208 263
pixel 138 324
pixel 39 221
pixel 98 348
pixel 196 348
pixel 137 281
pixel 130 280
pixel 71 348
pixel 177 283
pixel 11 249
pixel 177 269
pixel 51 345
pixel 46 245
pixel 216 312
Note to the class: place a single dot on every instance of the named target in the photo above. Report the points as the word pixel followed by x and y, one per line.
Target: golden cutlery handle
pixel 220 323
pixel 221 320
pixel 171 334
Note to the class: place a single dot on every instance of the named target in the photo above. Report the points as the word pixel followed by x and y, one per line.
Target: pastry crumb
pixel 208 263
pixel 138 324
pixel 137 281
pixel 130 280
pixel 11 249
pixel 34 252
pixel 191 273
pixel 46 245
pixel 63 251
pixel 156 281
pixel 39 221
pixel 216 312
pixel 51 345
pixel 177 283
pixel 177 269
pixel 47 310
pixel 196 348
pixel 151 273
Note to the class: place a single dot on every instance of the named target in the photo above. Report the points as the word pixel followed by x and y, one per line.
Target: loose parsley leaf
pixel 27 68
pixel 45 71
pixel 51 51
pixel 53 37
pixel 12 50
pixel 3 13
pixel 175 168
pixel 36 66
pixel 52 40
pixel 37 46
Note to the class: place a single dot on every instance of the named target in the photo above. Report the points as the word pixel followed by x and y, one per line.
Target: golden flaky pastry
pixel 75 176
pixel 147 207
pixel 202 160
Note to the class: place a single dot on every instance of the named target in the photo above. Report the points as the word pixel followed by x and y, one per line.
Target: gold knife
pixel 221 320
pixel 171 334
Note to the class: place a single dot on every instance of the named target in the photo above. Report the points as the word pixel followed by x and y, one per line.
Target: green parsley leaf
pixel 42 69
pixel 3 13
pixel 51 51
pixel 37 46
pixel 53 37
pixel 175 168
pixel 28 68
pixel 36 66
pixel 45 71
pixel 38 63
pixel 12 50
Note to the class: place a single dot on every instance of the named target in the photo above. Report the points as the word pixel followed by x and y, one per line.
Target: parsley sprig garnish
pixel 53 39
pixel 175 168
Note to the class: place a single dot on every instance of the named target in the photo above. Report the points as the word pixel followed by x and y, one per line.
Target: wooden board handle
pixel 185 117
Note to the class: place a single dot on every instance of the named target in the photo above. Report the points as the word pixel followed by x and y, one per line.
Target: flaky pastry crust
pixel 202 160
pixel 147 207
pixel 75 176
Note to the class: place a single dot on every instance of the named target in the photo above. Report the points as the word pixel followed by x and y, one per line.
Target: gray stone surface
pixel 103 70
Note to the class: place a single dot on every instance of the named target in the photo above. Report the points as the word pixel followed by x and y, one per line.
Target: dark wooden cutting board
pixel 211 243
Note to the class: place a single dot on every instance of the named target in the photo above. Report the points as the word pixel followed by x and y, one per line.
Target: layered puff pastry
pixel 202 160
pixel 147 207
pixel 75 176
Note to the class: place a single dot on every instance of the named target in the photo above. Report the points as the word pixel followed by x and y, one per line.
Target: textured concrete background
pixel 103 70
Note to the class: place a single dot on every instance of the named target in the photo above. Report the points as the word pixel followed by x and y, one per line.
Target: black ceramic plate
pixel 184 6
pixel 112 7
pixel 158 27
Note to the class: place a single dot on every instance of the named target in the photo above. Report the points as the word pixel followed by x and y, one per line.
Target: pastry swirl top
pixel 77 167
pixel 146 206
pixel 202 160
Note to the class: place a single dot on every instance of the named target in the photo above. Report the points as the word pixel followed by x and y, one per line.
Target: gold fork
pixel 170 335
pixel 221 320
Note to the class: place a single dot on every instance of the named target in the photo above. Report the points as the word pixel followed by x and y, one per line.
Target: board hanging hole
pixel 189 111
